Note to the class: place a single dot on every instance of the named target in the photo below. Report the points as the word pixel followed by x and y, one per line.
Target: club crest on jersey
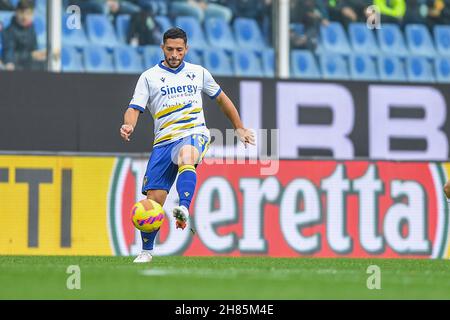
pixel 191 76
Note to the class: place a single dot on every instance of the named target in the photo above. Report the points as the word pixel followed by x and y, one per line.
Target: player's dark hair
pixel 175 33
pixel 25 4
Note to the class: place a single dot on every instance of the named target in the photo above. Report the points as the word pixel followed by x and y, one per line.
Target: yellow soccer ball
pixel 147 215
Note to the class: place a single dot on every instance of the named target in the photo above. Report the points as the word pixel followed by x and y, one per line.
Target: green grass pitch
pixel 180 278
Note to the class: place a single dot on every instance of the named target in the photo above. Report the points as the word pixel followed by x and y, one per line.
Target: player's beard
pixel 174 63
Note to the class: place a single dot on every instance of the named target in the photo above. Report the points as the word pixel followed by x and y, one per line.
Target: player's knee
pixel 447 189
pixel 159 197
pixel 187 156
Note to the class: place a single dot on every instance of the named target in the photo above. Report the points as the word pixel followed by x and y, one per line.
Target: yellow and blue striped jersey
pixel 174 98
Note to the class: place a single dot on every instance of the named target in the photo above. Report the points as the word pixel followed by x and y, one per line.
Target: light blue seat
pixel 334 39
pixel 164 22
pixel 391 41
pixel 97 59
pixel 363 39
pixel 442 69
pixel 194 56
pixel 219 34
pixel 419 40
pixel 391 68
pixel 419 69
pixel 297 28
pixel 363 67
pixel 5 18
pixel 122 27
pixel 334 66
pixel 247 64
pixel 248 34
pixel 40 25
pixel 127 60
pixel 217 62
pixel 71 60
pixel 268 62
pixel 442 39
pixel 100 30
pixel 152 56
pixel 72 36
pixel 193 30
pixel 304 65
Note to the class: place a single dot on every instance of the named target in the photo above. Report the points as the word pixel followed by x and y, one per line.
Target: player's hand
pixel 246 136
pixel 125 131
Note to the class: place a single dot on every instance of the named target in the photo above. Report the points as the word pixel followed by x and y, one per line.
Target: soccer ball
pixel 147 215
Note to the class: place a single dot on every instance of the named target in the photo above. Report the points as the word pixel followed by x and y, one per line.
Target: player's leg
pixel 190 154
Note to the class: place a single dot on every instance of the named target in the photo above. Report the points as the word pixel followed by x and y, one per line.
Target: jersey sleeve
pixel 210 86
pixel 141 95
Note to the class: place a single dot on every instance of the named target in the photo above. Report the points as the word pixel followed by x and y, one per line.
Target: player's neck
pixel 165 64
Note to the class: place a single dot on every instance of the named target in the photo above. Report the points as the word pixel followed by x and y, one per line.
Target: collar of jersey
pixel 171 70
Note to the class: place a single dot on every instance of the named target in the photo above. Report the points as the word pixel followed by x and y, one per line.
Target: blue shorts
pixel 162 168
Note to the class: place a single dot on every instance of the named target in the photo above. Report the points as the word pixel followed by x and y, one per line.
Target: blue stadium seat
pixel 334 38
pixel 363 67
pixel 164 22
pixel 442 69
pixel 442 39
pixel 122 27
pixel 391 68
pixel 40 25
pixel 100 30
pixel 419 69
pixel 194 56
pixel 152 56
pixel 97 59
pixel 246 64
pixel 247 34
pixel 217 62
pixel 193 31
pixel 219 33
pixel 268 62
pixel 73 37
pixel 334 66
pixel 391 41
pixel 304 65
pixel 297 28
pixel 71 60
pixel 363 39
pixel 127 60
pixel 5 19
pixel 419 40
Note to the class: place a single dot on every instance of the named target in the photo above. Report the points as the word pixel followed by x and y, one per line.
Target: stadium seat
pixel 334 38
pixel 194 56
pixel 100 30
pixel 193 31
pixel 247 34
pixel 419 69
pixel 152 56
pixel 73 37
pixel 246 64
pixel 391 68
pixel 334 66
pixel 217 62
pixel 163 22
pixel 5 19
pixel 268 62
pixel 442 69
pixel 363 67
pixel 297 28
pixel 391 41
pixel 97 59
pixel 362 39
pixel 127 60
pixel 419 40
pixel 219 33
pixel 442 39
pixel 122 27
pixel 304 65
pixel 40 25
pixel 71 60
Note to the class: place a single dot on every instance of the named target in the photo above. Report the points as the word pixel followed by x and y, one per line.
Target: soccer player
pixel 172 91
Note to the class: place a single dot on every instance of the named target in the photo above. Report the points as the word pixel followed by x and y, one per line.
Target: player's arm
pixel 228 108
pixel 130 119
